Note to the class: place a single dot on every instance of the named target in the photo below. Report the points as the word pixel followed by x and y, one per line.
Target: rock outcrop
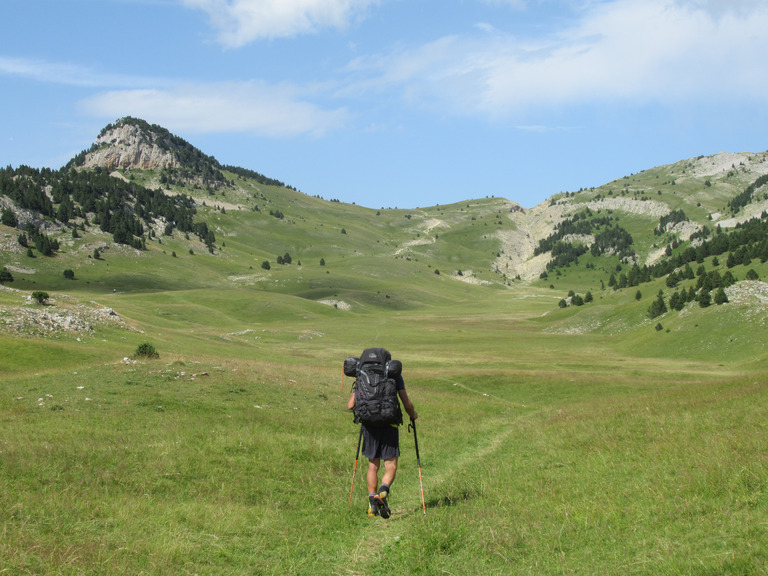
pixel 127 145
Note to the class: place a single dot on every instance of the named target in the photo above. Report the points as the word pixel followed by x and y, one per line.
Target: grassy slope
pixel 577 440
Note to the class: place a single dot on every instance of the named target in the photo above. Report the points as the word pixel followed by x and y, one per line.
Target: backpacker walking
pixel 379 388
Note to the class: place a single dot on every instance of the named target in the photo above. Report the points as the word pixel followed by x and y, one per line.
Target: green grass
pixel 242 465
pixel 553 441
pixel 543 450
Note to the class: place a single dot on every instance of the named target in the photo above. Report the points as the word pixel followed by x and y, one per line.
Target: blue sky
pixel 394 103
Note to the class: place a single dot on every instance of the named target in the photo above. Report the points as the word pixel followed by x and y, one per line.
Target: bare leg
pixel 390 470
pixel 373 474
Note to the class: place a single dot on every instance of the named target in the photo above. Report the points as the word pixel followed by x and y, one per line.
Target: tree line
pixel 120 208
pixel 609 238
pixel 741 200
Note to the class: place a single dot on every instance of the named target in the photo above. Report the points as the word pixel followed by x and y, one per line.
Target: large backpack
pixel 376 400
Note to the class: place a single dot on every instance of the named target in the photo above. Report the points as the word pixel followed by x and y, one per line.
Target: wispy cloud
pixel 272 110
pixel 617 51
pixel 64 73
pixel 256 108
pixel 632 51
pixel 720 7
pixel 239 22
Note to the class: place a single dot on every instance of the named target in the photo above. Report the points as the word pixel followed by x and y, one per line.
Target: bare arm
pixel 408 405
pixel 351 402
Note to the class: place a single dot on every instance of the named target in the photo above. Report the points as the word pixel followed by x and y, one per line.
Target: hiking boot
pixel 373 507
pixel 381 500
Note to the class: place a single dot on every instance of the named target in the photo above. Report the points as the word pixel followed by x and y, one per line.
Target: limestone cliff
pixel 134 144
pixel 129 145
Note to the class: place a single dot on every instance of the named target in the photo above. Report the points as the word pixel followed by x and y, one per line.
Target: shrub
pixel 69 274
pixel 146 350
pixel 9 218
pixel 5 275
pixel 40 296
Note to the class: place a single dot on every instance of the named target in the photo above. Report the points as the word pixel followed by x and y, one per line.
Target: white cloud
pixel 239 22
pixel 272 111
pixel 635 51
pixel 62 73
pixel 719 7
pixel 255 107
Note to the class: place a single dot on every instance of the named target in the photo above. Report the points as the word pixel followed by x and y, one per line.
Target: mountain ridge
pixel 148 157
pixel 669 245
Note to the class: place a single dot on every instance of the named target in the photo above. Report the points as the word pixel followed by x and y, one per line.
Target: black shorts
pixel 381 442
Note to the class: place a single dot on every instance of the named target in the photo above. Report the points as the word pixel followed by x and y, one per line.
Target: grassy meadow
pixel 577 440
pixel 541 452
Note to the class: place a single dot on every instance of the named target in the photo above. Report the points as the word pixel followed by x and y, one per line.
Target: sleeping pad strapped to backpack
pixel 376 400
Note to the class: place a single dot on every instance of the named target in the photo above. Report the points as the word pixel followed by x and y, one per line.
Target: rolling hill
pixel 144 215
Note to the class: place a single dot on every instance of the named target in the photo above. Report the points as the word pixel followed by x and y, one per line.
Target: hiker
pixel 381 439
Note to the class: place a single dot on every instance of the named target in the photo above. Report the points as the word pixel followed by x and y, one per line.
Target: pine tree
pixel 676 301
pixel 720 296
pixel 658 307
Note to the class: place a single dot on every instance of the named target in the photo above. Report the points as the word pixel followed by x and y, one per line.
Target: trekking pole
pixel 354 471
pixel 412 426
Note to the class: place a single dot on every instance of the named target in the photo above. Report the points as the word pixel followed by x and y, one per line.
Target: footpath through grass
pixel 217 466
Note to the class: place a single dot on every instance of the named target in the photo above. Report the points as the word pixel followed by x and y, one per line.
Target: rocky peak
pixel 132 144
